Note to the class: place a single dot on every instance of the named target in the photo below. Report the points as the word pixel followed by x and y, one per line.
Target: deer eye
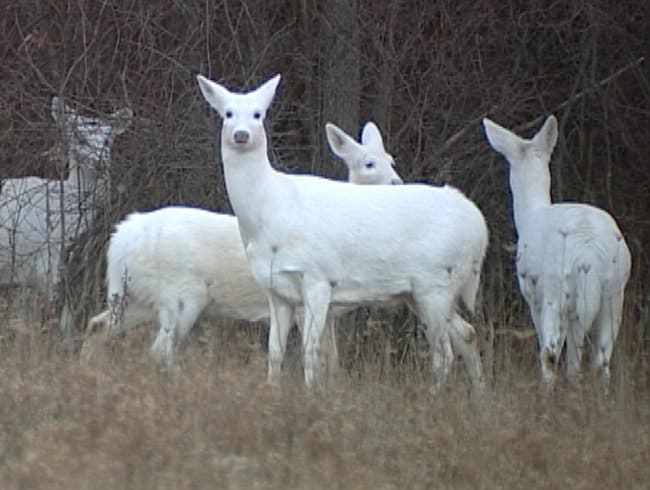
pixel 228 114
pixel 370 165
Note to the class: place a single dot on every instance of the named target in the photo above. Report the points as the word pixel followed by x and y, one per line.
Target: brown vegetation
pixel 120 423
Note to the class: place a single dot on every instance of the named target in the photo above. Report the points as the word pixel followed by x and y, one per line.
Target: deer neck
pixel 249 178
pixel 86 185
pixel 530 193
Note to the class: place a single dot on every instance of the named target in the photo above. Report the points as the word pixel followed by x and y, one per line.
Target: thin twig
pixel 457 136
pixel 535 122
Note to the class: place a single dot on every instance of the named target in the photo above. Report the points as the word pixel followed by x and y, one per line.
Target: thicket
pixel 426 72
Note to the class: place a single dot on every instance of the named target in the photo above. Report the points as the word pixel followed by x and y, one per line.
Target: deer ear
pixel 546 137
pixel 504 141
pixel 340 142
pixel 215 94
pixel 266 91
pixel 61 110
pixel 371 136
pixel 121 120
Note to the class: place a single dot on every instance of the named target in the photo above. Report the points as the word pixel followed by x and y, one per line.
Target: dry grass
pixel 214 423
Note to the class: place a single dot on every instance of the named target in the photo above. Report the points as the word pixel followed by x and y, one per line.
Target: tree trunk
pixel 340 74
pixel 385 78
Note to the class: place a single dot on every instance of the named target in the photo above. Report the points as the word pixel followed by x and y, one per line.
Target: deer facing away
pixel 572 260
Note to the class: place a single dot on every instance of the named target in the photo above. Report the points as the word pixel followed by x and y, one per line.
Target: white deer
pixel 312 241
pixel 368 162
pixel 572 260
pixel 175 263
pixel 41 218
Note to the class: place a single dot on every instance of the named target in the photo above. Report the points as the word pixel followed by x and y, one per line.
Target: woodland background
pixel 426 72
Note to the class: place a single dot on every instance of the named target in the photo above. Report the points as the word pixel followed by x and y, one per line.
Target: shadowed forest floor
pixel 214 423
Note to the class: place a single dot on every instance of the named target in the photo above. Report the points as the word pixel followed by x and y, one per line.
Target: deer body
pixel 572 260
pixel 175 263
pixel 39 218
pixel 358 270
pixel 149 276
pixel 313 242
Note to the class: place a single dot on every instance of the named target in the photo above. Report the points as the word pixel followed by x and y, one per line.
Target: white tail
pixel 40 218
pixel 572 260
pixel 170 265
pixel 312 241
pixel 174 263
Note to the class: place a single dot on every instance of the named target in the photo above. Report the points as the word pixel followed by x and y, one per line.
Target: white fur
pixel 40 218
pixel 170 265
pixel 312 241
pixel 176 262
pixel 368 162
pixel 572 260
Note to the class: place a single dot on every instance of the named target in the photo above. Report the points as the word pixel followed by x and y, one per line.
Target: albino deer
pixel 174 263
pixel 313 242
pixel 368 162
pixel 40 218
pixel 572 260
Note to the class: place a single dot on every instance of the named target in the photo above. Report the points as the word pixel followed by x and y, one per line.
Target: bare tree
pixel 340 73
pixel 426 72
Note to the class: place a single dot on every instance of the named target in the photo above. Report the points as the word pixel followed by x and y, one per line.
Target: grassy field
pixel 119 422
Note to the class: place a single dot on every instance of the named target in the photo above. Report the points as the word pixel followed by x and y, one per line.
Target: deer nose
pixel 241 136
pixel 396 181
pixel 552 359
pixel 552 354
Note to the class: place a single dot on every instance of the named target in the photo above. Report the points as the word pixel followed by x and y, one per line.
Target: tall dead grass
pixel 214 423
